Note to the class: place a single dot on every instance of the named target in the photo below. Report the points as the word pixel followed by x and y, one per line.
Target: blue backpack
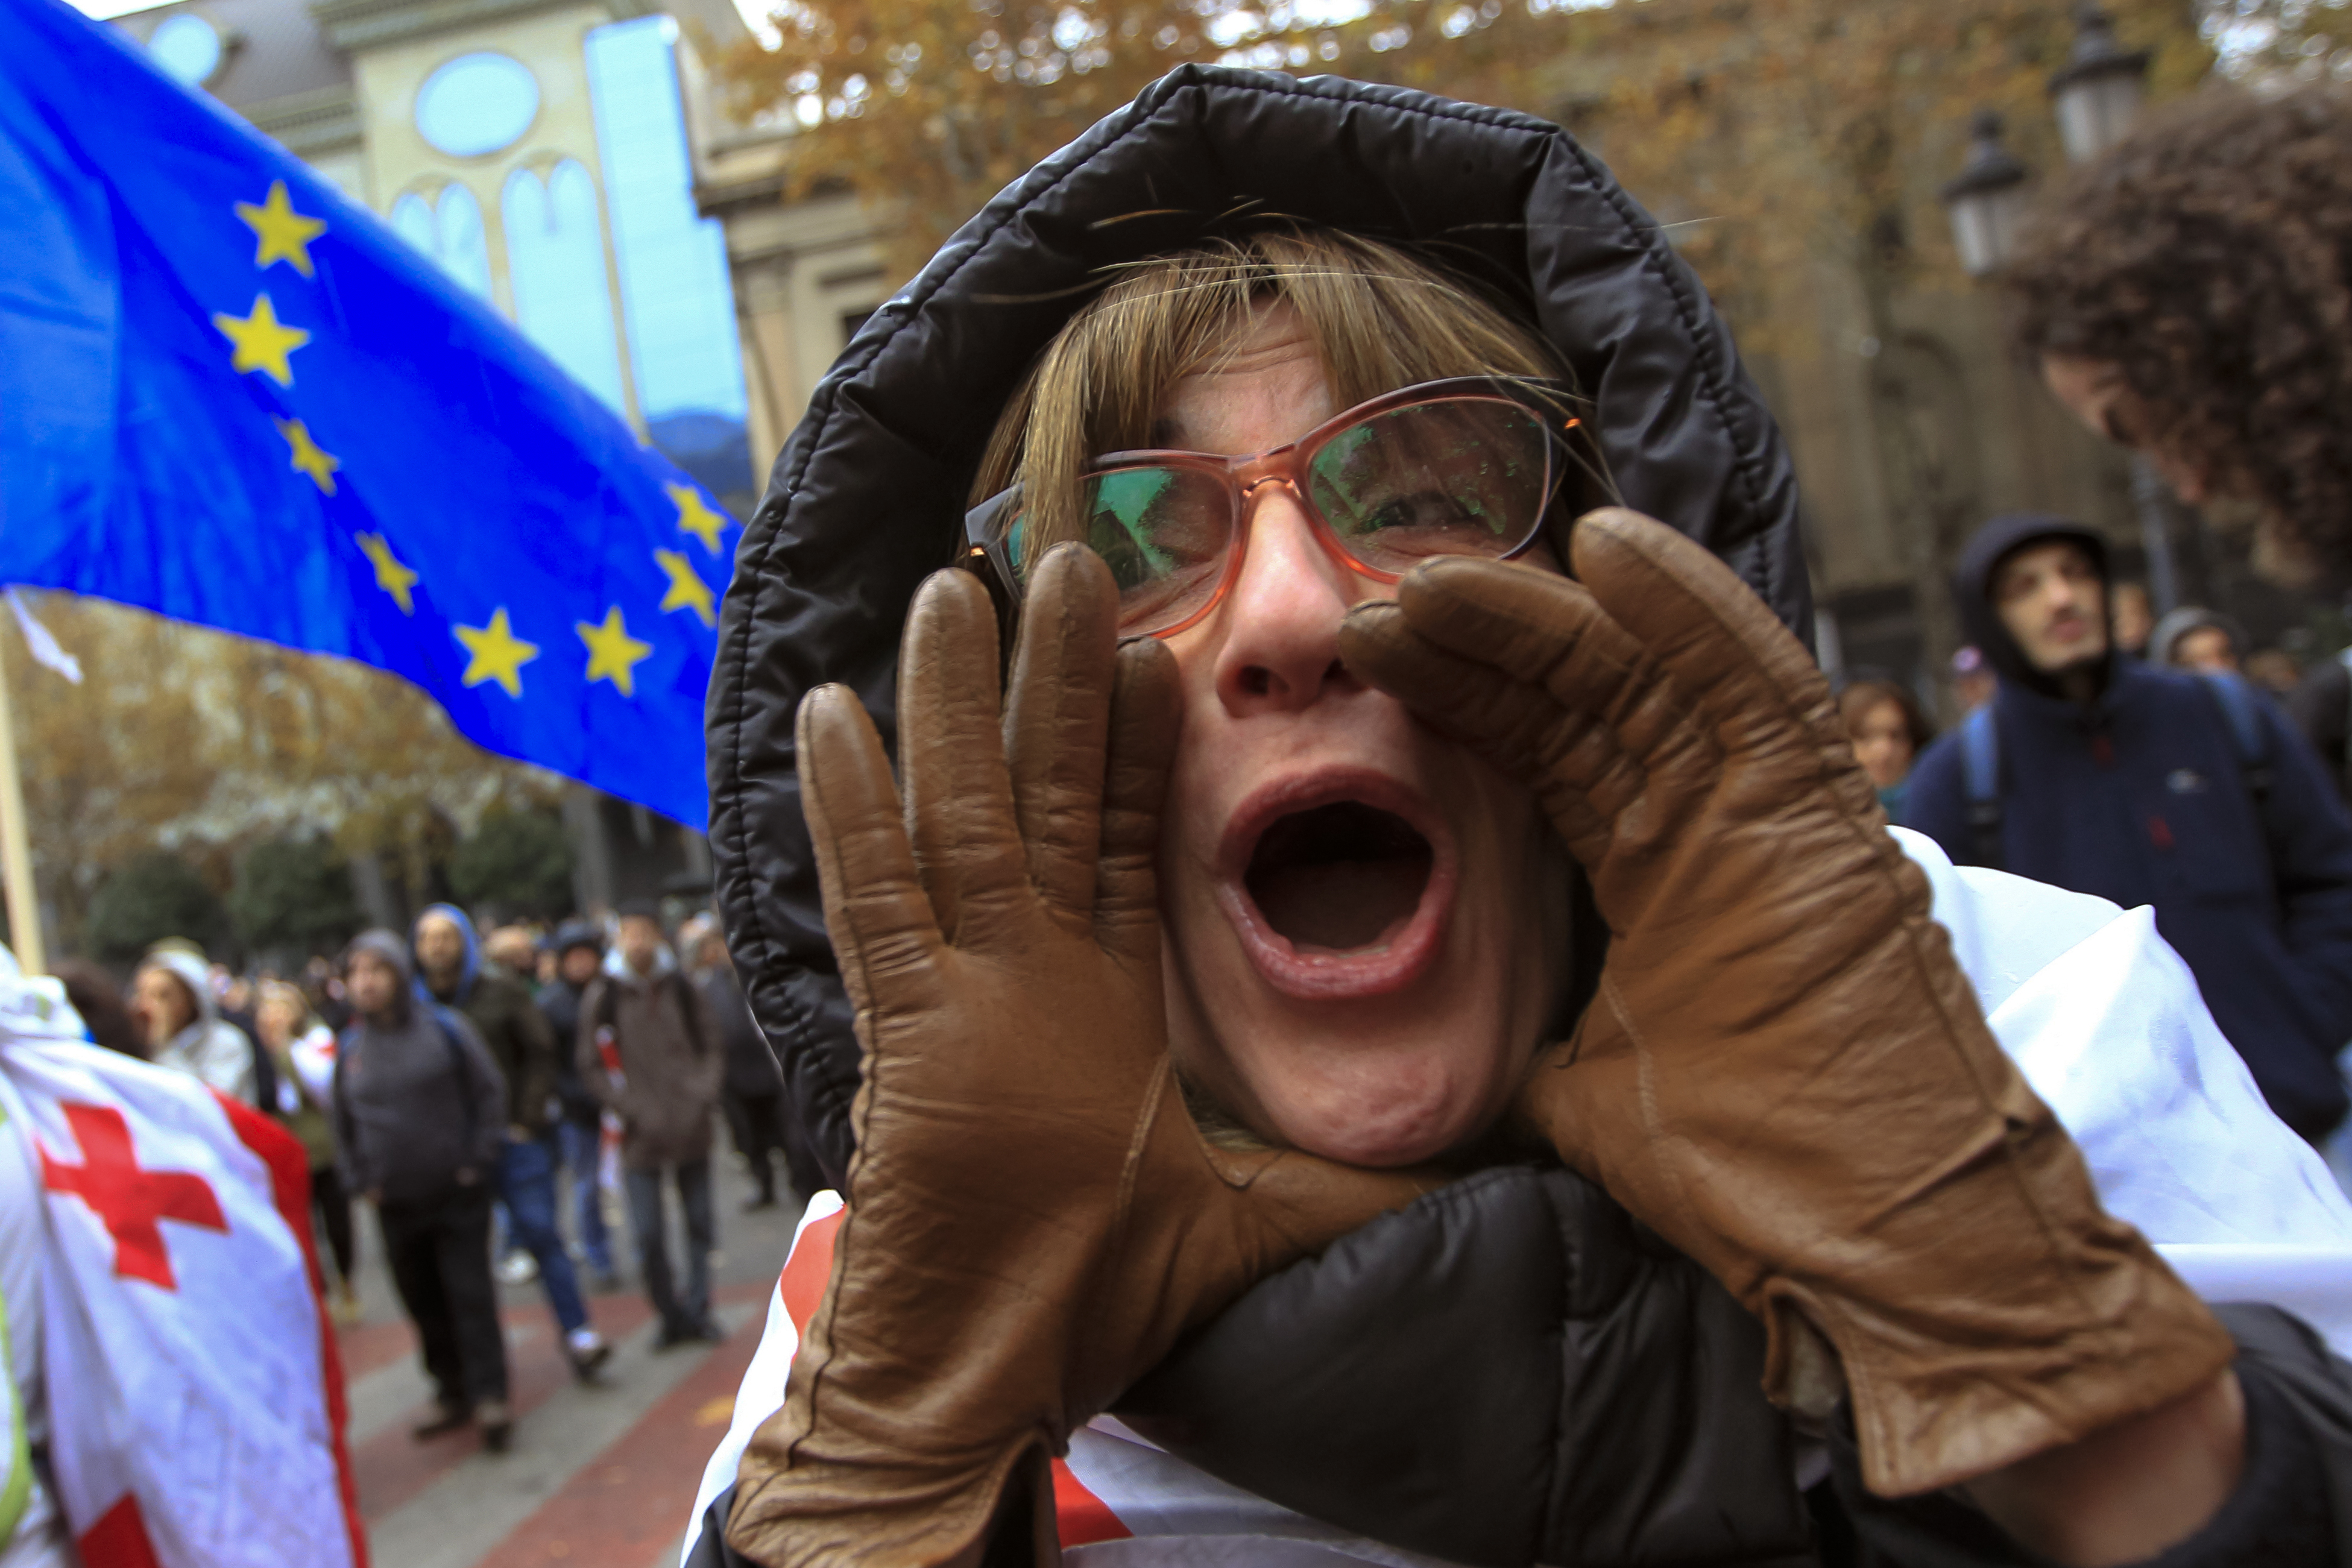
pixel 1980 762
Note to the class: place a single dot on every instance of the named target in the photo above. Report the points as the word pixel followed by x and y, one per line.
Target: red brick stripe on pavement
pixel 629 1503
pixel 393 1467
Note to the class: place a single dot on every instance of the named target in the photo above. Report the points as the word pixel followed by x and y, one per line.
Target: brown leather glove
pixel 1784 1072
pixel 1032 1217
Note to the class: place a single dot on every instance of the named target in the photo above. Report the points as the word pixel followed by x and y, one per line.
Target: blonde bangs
pixel 1379 318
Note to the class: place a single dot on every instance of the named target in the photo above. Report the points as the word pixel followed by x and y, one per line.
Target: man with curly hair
pixel 2189 296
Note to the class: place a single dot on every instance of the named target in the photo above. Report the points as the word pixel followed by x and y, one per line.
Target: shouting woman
pixel 1404 1034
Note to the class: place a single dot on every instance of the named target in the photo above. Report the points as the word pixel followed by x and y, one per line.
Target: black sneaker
pixel 712 1330
pixel 587 1364
pixel 497 1422
pixel 673 1334
pixel 445 1418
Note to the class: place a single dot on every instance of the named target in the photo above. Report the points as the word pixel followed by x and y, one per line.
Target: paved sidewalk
pixel 597 1476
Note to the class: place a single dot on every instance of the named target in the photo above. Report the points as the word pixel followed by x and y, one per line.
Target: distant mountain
pixel 713 448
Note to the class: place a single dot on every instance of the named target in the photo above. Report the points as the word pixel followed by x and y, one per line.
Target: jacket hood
pixel 194 973
pixel 387 946
pixel 869 494
pixel 471 969
pixel 2172 628
pixel 1972 591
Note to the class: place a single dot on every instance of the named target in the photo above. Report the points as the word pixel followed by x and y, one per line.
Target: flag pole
pixel 15 844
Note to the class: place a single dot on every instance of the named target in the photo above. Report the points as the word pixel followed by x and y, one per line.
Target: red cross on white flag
pixel 127 1199
pixel 205 1424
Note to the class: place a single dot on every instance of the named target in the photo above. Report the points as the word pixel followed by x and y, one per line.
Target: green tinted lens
pixel 1163 533
pixel 1455 476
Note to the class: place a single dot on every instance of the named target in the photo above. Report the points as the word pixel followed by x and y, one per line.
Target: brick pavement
pixel 597 1476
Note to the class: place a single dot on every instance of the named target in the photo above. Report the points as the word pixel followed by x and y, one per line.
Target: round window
pixel 477 104
pixel 187 48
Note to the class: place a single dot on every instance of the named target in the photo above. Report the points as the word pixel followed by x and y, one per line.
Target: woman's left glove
pixel 1032 1217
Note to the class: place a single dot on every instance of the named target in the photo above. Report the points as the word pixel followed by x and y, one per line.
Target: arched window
pixel 555 259
pixel 449 229
pixel 465 248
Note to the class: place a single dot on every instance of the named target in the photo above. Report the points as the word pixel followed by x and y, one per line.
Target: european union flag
pixel 230 395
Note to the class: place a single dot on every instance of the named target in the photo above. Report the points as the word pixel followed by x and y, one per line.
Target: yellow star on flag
pixel 283 234
pixel 497 653
pixel 613 654
pixel 695 517
pixel 262 340
pixel 686 589
pixel 390 575
pixel 308 458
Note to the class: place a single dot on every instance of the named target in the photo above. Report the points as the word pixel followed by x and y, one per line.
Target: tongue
pixel 1340 906
pixel 1339 878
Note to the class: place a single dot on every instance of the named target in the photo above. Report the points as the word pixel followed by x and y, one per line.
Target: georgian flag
pixel 195 1398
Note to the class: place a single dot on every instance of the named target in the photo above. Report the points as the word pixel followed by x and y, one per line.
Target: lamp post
pixel 2097 95
pixel 1985 199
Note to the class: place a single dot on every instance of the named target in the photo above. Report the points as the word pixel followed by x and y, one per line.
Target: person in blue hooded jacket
pixel 2094 772
pixel 450 970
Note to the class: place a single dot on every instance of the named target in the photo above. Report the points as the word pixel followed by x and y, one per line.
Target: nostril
pixel 1256 680
pixel 1337 675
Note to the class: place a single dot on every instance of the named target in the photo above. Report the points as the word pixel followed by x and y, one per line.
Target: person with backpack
pixel 2187 791
pixel 420 1116
pixel 649 1049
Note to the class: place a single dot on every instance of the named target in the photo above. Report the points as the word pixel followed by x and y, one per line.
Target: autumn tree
pixel 195 741
pixel 1782 140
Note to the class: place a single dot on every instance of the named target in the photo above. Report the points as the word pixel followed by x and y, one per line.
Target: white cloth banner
pixel 2101 1015
pixel 195 1398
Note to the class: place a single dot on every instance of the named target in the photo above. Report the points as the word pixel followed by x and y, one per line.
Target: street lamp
pixel 2097 95
pixel 1985 199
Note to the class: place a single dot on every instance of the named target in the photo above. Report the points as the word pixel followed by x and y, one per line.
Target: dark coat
pixel 2142 798
pixel 751 1065
pixel 419 1106
pixel 670 1060
pixel 519 1039
pixel 558 1003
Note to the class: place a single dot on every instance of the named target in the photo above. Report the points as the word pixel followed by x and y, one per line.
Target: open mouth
pixel 1340 877
pixel 1339 884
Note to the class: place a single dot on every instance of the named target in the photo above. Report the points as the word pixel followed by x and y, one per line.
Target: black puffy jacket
pixel 1509 1372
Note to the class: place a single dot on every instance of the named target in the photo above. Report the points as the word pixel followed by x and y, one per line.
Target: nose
pixel 1281 648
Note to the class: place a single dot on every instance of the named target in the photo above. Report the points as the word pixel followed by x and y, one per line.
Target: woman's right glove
pixel 1032 1217
pixel 1784 1072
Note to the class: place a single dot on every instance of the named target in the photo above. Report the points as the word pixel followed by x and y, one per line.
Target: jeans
pixel 439 1251
pixel 580 1142
pixel 693 1179
pixel 527 1187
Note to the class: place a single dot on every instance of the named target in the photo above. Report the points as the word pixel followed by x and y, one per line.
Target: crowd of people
pixel 484 1095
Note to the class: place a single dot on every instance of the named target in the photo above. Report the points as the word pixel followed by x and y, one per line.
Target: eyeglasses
pixel 1463 466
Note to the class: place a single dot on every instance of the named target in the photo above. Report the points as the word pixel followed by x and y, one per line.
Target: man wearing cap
pixel 578 947
pixel 2092 771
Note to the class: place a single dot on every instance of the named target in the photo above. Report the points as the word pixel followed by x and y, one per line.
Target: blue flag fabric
pixel 231 395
